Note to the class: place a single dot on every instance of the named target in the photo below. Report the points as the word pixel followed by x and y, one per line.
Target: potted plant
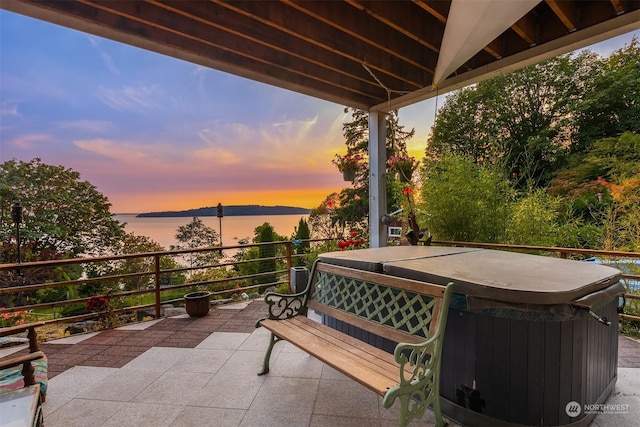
pixel 349 165
pixel 403 165
pixel 197 303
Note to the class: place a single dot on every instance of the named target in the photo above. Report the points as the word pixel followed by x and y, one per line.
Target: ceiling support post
pixel 377 178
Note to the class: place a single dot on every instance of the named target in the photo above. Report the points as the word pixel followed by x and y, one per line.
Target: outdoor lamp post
pixel 16 216
pixel 220 214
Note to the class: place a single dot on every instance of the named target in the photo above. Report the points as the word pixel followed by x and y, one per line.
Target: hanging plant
pixel 349 165
pixel 403 166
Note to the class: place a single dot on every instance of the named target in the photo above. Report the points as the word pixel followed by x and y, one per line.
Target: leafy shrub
pixel 465 201
pixel 533 220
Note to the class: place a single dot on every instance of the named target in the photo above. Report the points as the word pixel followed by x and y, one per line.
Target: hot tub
pixel 528 338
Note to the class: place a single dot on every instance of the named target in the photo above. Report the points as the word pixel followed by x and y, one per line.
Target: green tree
pixel 62 214
pixel 301 234
pixel 356 133
pixel 588 206
pixel 132 244
pixel 465 201
pixel 262 233
pixel 621 221
pixel 533 220
pixel 197 235
pixel 320 220
pixel 613 107
pixel 522 121
pixel 64 217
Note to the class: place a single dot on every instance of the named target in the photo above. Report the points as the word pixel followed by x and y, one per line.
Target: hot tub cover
pixel 373 259
pixel 494 276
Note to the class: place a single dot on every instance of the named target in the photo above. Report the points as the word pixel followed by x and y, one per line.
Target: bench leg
pixel 415 397
pixel 440 422
pixel 265 365
pixel 411 409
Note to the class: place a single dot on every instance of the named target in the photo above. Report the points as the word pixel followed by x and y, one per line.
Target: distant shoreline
pixel 233 210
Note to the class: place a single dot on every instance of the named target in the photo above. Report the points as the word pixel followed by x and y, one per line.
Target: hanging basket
pixel 404 175
pixel 349 174
pixel 197 304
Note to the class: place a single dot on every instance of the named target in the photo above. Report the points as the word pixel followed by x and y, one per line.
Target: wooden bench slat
pixel 361 351
pixel 358 352
pixel 334 356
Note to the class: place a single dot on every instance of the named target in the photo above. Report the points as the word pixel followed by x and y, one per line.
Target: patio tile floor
pixel 184 371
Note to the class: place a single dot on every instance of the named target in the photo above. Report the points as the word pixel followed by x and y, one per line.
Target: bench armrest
pixel 415 360
pixel 285 306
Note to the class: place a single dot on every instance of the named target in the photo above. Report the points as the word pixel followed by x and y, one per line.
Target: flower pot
pixel 349 174
pixel 197 304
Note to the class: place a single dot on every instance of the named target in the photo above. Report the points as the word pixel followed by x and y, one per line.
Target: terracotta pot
pixel 197 304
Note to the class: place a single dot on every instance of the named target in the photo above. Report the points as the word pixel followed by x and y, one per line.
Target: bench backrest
pixel 401 310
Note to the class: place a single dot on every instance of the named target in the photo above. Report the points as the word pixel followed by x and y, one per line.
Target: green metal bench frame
pixel 408 312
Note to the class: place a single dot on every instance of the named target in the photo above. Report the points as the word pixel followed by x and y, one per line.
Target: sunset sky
pixel 155 133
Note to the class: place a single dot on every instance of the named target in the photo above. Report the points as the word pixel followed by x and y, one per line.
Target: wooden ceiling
pixel 371 55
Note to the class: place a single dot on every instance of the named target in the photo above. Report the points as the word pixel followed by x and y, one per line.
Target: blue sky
pixel 155 133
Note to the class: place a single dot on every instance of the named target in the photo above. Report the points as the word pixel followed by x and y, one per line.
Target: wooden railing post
pixel 156 259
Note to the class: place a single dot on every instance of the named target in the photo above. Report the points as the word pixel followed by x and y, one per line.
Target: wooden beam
pixel 566 12
pixel 438 9
pixel 617 5
pixel 406 19
pixel 526 28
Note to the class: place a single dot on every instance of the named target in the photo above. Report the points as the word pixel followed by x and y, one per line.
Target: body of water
pixel 234 228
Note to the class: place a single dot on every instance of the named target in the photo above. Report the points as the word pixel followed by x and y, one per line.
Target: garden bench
pixel 408 312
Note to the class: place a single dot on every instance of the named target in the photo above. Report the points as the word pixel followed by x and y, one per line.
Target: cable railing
pixel 156 285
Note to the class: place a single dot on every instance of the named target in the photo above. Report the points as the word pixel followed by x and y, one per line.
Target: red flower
pixel 407 190
pixel 353 233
